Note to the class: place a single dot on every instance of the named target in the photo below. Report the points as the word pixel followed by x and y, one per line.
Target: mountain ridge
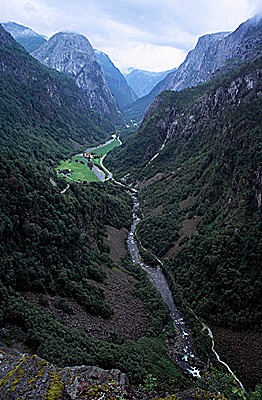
pixel 117 83
pixel 143 81
pixel 73 54
pixel 212 54
pixel 25 36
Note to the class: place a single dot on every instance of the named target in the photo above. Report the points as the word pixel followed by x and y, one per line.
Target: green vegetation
pixel 101 151
pixel 53 243
pixel 215 159
pixel 80 170
pixel 213 156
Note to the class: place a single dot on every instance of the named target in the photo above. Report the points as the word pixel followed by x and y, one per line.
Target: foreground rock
pixel 29 377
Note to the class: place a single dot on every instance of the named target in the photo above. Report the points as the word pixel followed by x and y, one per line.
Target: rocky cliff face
pixel 73 54
pixel 213 53
pixel 206 113
pixel 117 83
pixel 195 68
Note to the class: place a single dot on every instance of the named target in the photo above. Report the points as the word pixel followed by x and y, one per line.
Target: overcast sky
pixel 154 35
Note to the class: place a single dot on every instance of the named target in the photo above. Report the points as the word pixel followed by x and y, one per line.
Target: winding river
pixel 184 353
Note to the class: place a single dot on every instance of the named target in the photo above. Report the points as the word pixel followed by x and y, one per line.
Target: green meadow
pixel 78 164
pixel 101 151
pixel 79 170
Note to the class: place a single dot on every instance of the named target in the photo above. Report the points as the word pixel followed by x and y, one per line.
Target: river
pixel 184 352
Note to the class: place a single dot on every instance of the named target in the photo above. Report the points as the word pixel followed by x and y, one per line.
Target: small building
pixel 88 156
pixel 65 172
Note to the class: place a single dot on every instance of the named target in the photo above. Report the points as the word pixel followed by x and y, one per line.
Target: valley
pixel 118 255
pixel 88 166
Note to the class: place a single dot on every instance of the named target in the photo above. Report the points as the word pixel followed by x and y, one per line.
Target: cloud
pixel 134 33
pixel 146 56
pixel 256 7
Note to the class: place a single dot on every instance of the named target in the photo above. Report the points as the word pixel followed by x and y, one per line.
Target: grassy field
pixel 101 151
pixel 79 170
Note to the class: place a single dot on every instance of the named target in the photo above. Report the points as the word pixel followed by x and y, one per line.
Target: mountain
pixel 213 52
pixel 197 162
pixel 29 39
pixel 32 92
pixel 68 289
pixel 73 54
pixel 142 82
pixel 116 81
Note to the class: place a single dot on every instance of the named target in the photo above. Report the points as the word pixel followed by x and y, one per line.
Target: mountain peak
pixel 18 30
pixel 25 36
pixel 73 54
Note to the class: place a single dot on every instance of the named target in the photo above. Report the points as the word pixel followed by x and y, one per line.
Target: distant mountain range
pixel 213 52
pixel 99 92
pixel 142 82
pixel 108 90
pixel 117 83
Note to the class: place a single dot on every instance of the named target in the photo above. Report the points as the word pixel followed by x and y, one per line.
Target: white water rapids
pixel 184 354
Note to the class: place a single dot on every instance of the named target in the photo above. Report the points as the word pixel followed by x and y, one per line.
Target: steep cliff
pixel 214 53
pixel 73 54
pixel 117 83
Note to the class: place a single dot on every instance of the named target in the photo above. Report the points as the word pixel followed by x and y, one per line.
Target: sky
pixel 153 35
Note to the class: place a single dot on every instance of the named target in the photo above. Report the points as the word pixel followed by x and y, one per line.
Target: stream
pixel 184 353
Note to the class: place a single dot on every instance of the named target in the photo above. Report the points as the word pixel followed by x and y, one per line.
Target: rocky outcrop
pixel 30 377
pixel 73 54
pixel 117 83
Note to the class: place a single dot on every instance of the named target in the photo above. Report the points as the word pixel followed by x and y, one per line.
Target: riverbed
pixel 184 351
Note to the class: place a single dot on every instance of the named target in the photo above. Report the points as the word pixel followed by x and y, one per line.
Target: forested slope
pixel 201 196
pixel 55 265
